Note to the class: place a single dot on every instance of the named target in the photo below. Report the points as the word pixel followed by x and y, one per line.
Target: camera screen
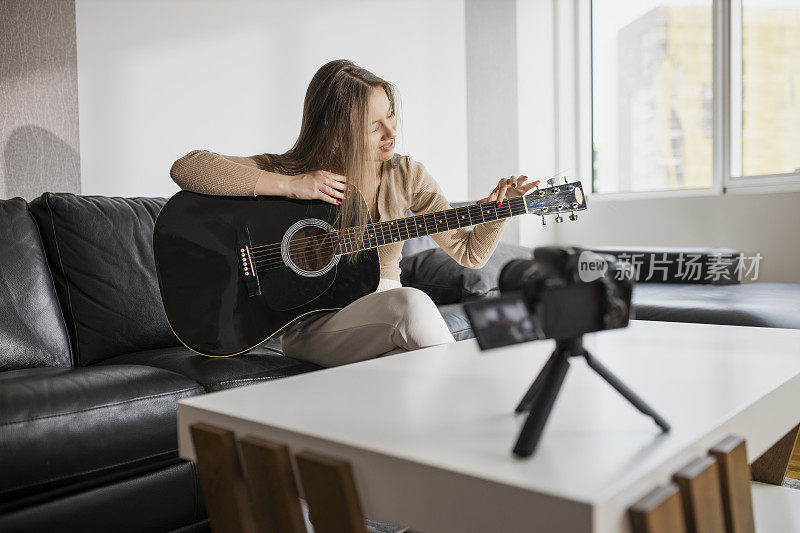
pixel 571 310
pixel 500 322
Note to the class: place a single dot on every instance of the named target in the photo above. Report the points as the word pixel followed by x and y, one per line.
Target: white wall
pixel 510 111
pixel 763 223
pixel 157 79
pixel 491 120
pixel 538 115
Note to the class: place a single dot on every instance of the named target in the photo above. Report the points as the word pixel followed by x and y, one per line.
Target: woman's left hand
pixel 509 188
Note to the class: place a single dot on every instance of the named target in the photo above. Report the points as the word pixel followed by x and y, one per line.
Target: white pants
pixel 384 322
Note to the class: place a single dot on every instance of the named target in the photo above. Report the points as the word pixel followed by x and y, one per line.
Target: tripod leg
pixel 536 387
pixel 623 389
pixel 541 405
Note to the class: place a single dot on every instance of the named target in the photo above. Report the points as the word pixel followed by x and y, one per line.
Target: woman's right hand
pixel 317 185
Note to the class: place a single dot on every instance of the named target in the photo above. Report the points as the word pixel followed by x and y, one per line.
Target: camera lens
pixel 515 273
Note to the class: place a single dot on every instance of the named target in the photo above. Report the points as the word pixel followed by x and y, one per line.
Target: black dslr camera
pixel 562 293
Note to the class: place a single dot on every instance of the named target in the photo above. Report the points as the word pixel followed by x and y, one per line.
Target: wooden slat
pixel 771 467
pixel 268 470
pixel 659 511
pixel 330 491
pixel 701 495
pixel 734 474
pixel 224 488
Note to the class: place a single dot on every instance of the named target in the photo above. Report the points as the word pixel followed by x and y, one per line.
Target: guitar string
pixel 278 262
pixel 537 195
pixel 267 264
pixel 402 226
pixel 272 245
pixel 265 258
pixel 275 262
pixel 327 248
pixel 277 259
pixel 353 238
pixel 385 233
pixel 384 229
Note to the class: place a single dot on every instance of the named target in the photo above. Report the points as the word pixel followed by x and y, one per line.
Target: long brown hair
pixel 334 134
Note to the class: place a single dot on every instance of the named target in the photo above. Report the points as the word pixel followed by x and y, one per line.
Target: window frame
pixel 734 180
pixel 726 94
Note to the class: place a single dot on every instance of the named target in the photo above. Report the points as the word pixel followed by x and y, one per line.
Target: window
pixel 765 87
pixel 652 81
pixel 656 104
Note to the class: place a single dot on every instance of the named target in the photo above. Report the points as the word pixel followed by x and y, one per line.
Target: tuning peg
pixel 565 179
pixel 573 217
pixel 550 182
pixel 544 222
pixel 559 219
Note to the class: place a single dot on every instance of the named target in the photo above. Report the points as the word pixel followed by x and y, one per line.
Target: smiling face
pixel 382 125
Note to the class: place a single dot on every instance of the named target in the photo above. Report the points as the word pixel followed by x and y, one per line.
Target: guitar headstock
pixel 556 199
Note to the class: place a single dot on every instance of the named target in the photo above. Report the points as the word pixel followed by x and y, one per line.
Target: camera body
pixel 562 293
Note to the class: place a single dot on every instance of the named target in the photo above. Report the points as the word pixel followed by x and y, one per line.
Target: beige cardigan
pixel 405 184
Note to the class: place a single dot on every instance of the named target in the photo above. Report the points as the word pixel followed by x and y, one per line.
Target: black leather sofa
pixel 711 293
pixel 90 371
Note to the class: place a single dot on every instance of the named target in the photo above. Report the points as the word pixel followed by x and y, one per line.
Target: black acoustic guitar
pixel 234 271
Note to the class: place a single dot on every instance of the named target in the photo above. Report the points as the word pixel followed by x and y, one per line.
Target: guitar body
pixel 234 271
pixel 208 248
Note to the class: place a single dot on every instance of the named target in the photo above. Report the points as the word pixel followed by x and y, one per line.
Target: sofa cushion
pixel 164 499
pixel 32 330
pixel 262 363
pixel 775 305
pixel 446 281
pixel 101 253
pixel 456 319
pixel 64 425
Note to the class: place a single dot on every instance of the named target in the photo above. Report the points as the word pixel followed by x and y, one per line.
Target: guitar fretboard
pixel 402 229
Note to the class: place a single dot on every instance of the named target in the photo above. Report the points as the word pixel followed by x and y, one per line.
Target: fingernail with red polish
pixel 338 202
pixel 498 203
pixel 513 184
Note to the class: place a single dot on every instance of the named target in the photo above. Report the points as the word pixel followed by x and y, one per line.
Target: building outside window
pixel 653 98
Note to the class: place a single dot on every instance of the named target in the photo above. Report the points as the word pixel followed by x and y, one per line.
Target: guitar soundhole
pixel 311 248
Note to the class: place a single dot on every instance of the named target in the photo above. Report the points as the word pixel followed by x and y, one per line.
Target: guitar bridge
pixel 247 267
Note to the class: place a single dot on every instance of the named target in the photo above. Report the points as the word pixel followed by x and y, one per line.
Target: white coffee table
pixel 429 433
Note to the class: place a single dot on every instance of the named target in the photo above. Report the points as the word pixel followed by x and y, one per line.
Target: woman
pixel 347 139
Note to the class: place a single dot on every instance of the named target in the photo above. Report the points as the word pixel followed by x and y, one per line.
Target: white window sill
pixel 768 184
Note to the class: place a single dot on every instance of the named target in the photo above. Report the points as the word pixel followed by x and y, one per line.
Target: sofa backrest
pixel 100 251
pixel 32 330
pixel 663 264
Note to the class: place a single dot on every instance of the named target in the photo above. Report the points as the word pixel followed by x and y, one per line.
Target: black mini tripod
pixel 541 396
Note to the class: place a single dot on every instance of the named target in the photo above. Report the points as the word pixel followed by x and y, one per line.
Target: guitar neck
pixel 403 229
pixel 563 198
